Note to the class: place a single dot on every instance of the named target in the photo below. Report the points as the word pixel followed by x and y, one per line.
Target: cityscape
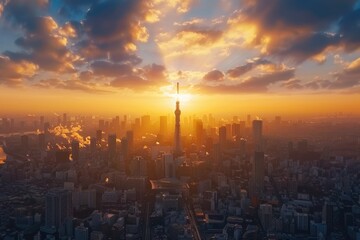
pixel 181 119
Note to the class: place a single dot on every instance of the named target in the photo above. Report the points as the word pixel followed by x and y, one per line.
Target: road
pixel 193 224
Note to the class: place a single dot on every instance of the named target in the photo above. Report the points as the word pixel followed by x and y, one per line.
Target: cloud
pixel 13 72
pixel 77 85
pixel 257 84
pixel 348 78
pixel 151 76
pixel 181 6
pixel 214 76
pixel 296 29
pixel 292 84
pixel 241 70
pixel 113 28
pixel 350 30
pixel 42 44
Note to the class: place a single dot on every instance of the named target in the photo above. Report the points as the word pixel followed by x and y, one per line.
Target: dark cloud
pixel 214 75
pixel 241 70
pixel 256 84
pixel 113 27
pixel 350 30
pixel 22 12
pixel 41 43
pixel 309 46
pixel 297 14
pixel 296 29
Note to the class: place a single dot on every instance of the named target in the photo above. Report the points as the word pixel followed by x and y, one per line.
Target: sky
pixel 229 56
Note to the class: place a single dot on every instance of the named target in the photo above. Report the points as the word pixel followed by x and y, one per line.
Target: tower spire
pixel 177 143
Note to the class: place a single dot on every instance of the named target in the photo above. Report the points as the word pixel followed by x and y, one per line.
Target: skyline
pixel 289 57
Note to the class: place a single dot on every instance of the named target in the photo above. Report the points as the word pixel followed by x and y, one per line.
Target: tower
pixel 177 150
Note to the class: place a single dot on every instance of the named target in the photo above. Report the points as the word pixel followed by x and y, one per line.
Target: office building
pixel 58 207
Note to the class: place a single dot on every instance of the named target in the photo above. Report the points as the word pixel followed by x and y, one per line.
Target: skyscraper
pixel 257 134
pixel 199 131
pixel 112 145
pixel 177 150
pixel 99 136
pixel 75 150
pixel 259 171
pixel 58 207
pixel 222 138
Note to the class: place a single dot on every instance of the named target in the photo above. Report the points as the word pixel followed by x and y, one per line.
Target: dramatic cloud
pixel 42 43
pixel 258 84
pixel 113 28
pixel 13 72
pixel 293 29
pixel 152 76
pixel 241 70
pixel 214 75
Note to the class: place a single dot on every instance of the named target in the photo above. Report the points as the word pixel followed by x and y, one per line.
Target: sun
pixel 183 97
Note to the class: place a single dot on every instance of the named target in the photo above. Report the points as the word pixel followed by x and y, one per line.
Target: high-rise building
pixel 257 134
pixel 138 166
pixel 93 144
pixel 259 171
pixel 199 131
pixel 169 166
pixel 130 141
pixel 112 145
pixel 177 147
pixel 235 129
pixel 302 222
pixel 99 136
pixel 81 232
pixel 75 150
pixel 58 207
pixel 265 215
pixel 222 137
